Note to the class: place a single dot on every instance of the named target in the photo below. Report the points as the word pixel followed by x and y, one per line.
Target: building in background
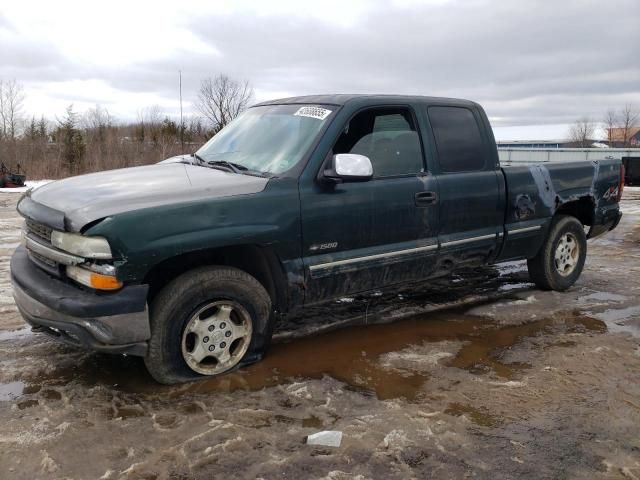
pixel 617 136
pixel 546 144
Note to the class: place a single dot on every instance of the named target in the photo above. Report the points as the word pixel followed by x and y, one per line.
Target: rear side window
pixel 388 136
pixel 458 139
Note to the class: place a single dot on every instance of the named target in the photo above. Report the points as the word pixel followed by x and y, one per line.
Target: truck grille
pixel 42 234
pixel 44 260
pixel 39 230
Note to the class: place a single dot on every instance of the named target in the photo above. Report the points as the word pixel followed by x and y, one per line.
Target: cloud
pixel 527 62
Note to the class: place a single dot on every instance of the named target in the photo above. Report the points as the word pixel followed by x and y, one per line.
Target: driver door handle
pixel 424 199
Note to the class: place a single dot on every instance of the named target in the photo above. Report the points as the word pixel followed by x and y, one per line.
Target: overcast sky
pixel 528 62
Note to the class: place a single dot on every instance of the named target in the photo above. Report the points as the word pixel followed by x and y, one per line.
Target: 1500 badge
pixel 323 246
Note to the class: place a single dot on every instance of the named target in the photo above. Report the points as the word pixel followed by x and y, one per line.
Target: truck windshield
pixel 269 139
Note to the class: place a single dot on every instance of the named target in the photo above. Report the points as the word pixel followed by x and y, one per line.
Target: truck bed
pixel 537 191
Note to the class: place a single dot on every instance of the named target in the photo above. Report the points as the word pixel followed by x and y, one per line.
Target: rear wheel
pixel 560 261
pixel 206 322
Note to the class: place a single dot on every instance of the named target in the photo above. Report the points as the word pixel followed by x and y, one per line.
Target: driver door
pixel 366 235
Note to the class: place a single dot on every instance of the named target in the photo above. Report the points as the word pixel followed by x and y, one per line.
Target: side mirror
pixel 349 167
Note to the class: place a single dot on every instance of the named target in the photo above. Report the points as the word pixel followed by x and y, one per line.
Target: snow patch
pixel 508 268
pixel 28 185
pixel 513 286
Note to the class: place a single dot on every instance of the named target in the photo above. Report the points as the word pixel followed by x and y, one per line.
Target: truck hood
pixel 86 198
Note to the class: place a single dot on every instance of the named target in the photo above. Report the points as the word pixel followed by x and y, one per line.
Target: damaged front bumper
pixel 114 322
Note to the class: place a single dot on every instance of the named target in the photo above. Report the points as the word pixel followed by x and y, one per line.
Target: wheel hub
pixel 567 254
pixel 216 337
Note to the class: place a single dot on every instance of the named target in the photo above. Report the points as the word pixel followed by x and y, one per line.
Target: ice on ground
pixel 528 300
pixel 616 315
pixel 346 300
pixel 13 334
pixel 513 286
pixel 603 297
pixel 10 391
pixel 628 209
pixel 511 267
pixel 28 185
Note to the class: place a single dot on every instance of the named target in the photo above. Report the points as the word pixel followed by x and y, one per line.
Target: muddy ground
pixel 483 377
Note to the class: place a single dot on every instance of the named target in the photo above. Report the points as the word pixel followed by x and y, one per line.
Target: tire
pixel 207 311
pixel 560 261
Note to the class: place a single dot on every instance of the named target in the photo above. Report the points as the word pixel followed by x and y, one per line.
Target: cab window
pixel 388 136
pixel 458 139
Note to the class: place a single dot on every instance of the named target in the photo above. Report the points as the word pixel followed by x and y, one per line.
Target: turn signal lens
pixel 105 282
pixel 93 279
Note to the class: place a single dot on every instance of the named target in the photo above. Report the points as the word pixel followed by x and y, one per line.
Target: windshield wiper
pixel 198 157
pixel 234 167
pixel 230 166
pixel 227 166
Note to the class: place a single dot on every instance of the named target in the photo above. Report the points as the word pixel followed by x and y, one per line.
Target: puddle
pixel 11 391
pixel 125 412
pixel 51 395
pixel 308 422
pixel 482 353
pixel 27 404
pixel 350 355
pixel 312 422
pixel 476 415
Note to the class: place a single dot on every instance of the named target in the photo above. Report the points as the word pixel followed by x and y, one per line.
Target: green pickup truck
pixel 298 201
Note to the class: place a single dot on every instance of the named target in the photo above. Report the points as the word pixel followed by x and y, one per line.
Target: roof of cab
pixel 342 99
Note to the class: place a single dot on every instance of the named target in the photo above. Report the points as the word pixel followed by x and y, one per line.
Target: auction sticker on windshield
pixel 313 112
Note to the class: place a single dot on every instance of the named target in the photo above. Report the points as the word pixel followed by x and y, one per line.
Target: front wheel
pixel 561 259
pixel 206 322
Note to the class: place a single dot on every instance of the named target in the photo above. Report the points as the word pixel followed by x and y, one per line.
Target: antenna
pixel 181 123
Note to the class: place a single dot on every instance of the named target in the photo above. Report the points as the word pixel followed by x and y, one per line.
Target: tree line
pixel 83 142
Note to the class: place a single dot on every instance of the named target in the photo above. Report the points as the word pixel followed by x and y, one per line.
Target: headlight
pixel 99 281
pixel 87 247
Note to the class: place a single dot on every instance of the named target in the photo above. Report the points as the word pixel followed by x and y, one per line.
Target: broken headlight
pixel 87 247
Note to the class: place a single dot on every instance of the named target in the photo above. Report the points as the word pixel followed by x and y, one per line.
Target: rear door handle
pixel 424 199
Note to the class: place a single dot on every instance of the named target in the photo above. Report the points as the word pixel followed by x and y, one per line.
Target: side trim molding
pixel 525 229
pixel 396 253
pixel 467 240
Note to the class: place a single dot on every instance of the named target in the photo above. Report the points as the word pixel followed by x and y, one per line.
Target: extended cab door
pixel 471 186
pixel 360 236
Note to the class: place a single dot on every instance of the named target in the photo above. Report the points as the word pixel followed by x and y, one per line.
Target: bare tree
pixel 610 122
pixel 97 118
pixel 222 98
pixel 11 102
pixel 97 121
pixel 149 120
pixel 627 121
pixel 581 132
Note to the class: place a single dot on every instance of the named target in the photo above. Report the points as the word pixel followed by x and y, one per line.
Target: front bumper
pixel 114 322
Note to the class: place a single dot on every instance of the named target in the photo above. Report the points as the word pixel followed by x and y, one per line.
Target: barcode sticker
pixel 313 112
